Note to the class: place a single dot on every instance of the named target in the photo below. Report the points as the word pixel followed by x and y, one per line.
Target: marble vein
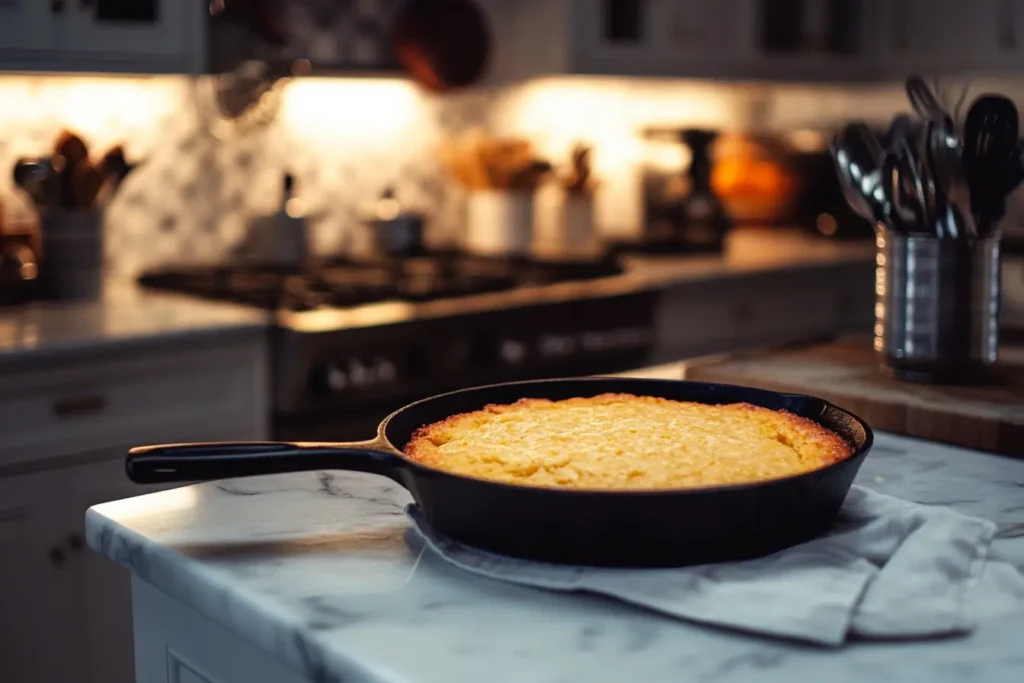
pixel 316 569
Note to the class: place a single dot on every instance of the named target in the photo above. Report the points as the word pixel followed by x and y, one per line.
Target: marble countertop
pixel 125 315
pixel 314 569
pixel 128 314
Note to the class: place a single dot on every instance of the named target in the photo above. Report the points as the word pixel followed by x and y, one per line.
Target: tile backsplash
pixel 202 179
pixel 345 140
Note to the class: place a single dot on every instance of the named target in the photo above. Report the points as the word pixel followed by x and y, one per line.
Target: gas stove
pixel 344 283
pixel 354 340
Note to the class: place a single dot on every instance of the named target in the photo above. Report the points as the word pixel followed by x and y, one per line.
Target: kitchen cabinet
pixel 145 36
pixel 722 39
pixel 100 608
pixel 27 26
pixel 780 40
pixel 34 584
pixel 764 309
pixel 70 424
pixel 949 36
pixel 150 29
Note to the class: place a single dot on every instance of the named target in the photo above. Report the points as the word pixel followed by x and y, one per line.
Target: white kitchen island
pixel 313 577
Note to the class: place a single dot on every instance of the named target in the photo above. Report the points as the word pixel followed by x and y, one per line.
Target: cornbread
pixel 620 441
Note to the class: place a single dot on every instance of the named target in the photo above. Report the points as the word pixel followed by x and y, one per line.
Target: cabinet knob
pixel 56 556
pixel 57 6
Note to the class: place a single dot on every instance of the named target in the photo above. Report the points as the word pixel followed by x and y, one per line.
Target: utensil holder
pixel 71 263
pixel 499 223
pixel 936 306
pixel 578 222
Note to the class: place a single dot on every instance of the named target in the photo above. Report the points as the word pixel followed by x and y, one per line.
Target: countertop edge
pixel 213 600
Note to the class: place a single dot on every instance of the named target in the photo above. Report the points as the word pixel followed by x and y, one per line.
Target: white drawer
pixel 83 407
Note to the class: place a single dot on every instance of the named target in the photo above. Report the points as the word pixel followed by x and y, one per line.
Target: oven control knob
pixel 337 380
pixel 512 351
pixel 556 345
pixel 385 370
pixel 595 341
pixel 359 374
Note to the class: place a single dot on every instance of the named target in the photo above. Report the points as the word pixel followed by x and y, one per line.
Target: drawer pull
pixel 79 406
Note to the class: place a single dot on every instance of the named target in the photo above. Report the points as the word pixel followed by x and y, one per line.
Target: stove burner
pixel 341 283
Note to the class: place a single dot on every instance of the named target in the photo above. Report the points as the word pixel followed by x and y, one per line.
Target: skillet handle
pixel 205 461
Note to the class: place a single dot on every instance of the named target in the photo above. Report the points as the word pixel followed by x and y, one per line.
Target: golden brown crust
pixel 621 441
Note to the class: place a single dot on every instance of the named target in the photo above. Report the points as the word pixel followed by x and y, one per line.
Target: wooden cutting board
pixel 986 417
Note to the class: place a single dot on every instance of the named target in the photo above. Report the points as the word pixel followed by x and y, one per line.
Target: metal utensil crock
pixel 936 305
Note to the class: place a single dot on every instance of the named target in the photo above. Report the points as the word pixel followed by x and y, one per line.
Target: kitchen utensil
pixel 991 133
pixel 624 528
pixel 925 103
pixel 937 305
pixel 114 163
pixel 953 194
pixel 86 181
pixel 910 192
pixel 39 180
pixel 529 176
pixel 851 190
pixel 71 147
pixel 899 130
pixel 115 168
pixel 578 180
pixel 858 157
pixel 443 44
pixel 69 152
pixel 482 162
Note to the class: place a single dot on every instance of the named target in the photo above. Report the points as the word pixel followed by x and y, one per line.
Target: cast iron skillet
pixel 604 528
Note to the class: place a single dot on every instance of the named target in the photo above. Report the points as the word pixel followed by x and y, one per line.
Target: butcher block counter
pixel 988 416
pixel 308 578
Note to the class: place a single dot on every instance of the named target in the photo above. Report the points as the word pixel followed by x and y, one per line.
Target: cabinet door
pixel 660 37
pixel 1010 33
pixel 35 591
pixel 102 589
pixel 158 29
pixel 28 24
pixel 943 35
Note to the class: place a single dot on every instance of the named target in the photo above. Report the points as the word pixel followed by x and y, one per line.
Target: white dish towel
pixel 889 569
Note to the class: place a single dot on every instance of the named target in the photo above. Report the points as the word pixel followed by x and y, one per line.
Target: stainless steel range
pixel 354 340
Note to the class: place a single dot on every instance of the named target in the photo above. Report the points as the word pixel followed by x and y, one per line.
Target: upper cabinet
pixel 155 29
pixel 817 40
pixel 27 27
pixel 144 36
pixel 794 40
pixel 739 39
pixel 937 36
pixel 194 36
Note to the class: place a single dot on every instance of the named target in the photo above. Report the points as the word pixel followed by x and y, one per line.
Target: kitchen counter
pixel 129 315
pixel 748 254
pixel 126 316
pixel 309 577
